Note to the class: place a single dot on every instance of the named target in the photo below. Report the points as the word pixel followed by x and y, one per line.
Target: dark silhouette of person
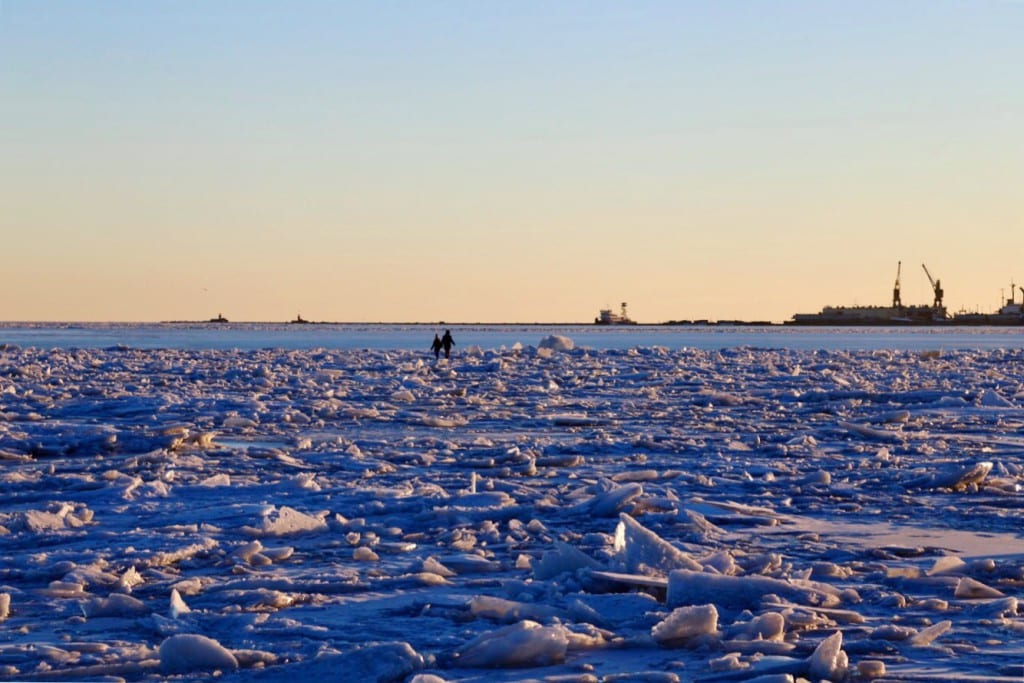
pixel 436 346
pixel 447 342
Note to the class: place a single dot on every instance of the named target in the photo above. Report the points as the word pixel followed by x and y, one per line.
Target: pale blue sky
pixel 480 161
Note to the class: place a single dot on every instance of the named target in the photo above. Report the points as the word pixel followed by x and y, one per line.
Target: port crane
pixel 896 302
pixel 936 287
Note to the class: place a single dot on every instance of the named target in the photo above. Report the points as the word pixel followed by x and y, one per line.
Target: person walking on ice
pixel 447 342
pixel 436 346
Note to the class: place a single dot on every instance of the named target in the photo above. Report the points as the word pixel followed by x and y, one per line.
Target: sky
pixel 506 162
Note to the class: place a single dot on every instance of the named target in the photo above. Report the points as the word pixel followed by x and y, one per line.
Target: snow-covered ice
pixel 548 513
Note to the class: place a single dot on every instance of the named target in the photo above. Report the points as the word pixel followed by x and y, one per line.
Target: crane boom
pixel 930 278
pixel 936 286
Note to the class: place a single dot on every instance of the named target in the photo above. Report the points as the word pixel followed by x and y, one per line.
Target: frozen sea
pixel 559 504
pixel 250 336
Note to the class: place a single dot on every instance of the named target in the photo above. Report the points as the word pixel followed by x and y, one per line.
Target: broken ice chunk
pixel 178 606
pixel 610 499
pixel 388 661
pixel 947 564
pixel 992 399
pixel 508 611
pixel 686 624
pixel 767 626
pixel 956 477
pixel 828 660
pixel 284 521
pixel 926 636
pixel 524 644
pixel 117 605
pixel 687 587
pixel 192 652
pixel 642 551
pixel 556 342
pixel 969 589
pixel 564 558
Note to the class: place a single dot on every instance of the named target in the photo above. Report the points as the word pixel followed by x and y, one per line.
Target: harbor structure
pixel 895 314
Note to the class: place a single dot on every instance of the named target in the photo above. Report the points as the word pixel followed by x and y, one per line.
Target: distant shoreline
pixel 670 323
pixel 436 324
pixel 226 323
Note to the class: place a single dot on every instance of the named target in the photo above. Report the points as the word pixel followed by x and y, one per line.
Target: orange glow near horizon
pixel 467 164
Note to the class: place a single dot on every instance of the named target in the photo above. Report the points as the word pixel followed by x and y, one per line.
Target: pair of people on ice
pixel 446 342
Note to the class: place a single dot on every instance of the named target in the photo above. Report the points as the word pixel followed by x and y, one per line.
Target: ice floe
pixel 540 513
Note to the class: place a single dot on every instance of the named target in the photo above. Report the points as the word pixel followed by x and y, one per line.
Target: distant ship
pixel 608 317
pixel 219 319
pixel 1012 313
pixel 897 314
pixel 299 320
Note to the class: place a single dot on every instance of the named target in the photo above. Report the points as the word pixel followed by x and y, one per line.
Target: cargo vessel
pixel 1010 314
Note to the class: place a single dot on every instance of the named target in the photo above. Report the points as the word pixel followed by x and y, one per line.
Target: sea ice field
pixel 544 512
